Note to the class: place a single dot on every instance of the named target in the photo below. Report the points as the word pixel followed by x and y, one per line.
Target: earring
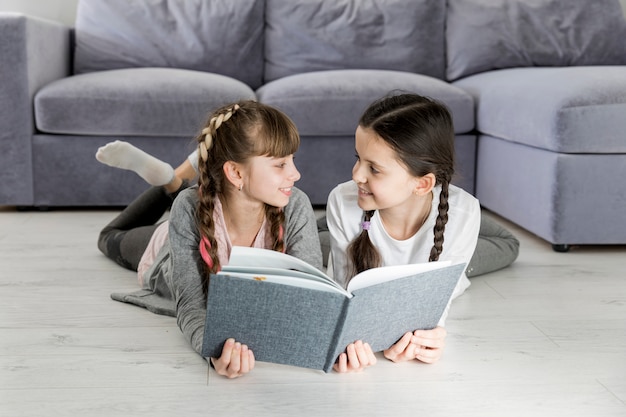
pixel 240 186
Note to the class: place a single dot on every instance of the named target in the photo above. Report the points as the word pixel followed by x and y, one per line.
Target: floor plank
pixel 544 337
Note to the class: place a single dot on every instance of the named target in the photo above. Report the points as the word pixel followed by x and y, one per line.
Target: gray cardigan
pixel 174 281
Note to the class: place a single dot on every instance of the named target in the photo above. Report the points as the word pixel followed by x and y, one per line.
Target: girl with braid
pixel 245 196
pixel 400 208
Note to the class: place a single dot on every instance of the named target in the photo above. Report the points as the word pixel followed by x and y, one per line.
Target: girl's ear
pixel 233 173
pixel 425 184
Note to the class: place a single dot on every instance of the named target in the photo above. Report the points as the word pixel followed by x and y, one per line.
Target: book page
pixel 387 273
pixel 291 280
pixel 257 257
pixel 265 270
pixel 268 262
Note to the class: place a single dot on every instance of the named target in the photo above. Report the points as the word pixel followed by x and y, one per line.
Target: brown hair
pixel 237 132
pixel 420 131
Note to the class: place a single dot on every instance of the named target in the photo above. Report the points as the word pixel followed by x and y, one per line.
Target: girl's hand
pixel 357 357
pixel 431 344
pixel 423 345
pixel 236 360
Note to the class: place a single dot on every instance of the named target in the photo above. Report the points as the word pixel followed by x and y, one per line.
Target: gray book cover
pixel 309 328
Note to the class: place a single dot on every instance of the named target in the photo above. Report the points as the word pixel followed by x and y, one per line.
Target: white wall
pixel 64 11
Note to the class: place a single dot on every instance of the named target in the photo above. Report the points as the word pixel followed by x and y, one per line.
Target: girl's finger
pixel 245 364
pixel 428 355
pixel 361 354
pixel 411 351
pixel 434 338
pixel 370 354
pixel 341 366
pixel 353 360
pixel 399 347
pixel 227 352
pixel 235 359
pixel 402 344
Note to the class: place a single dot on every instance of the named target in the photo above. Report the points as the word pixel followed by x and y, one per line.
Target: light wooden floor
pixel 545 337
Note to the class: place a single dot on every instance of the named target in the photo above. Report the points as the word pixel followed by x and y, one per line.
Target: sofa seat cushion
pixel 134 102
pixel 330 103
pixel 318 35
pixel 569 110
pixel 219 36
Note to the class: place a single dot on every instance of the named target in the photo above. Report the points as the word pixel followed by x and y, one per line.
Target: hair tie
pixel 204 245
pixel 365 225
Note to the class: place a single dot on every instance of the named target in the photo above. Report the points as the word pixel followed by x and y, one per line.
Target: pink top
pixel 224 245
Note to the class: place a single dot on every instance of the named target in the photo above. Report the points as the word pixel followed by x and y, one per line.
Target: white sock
pixel 123 155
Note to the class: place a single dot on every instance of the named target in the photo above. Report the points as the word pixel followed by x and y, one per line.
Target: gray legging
pixel 496 247
pixel 126 238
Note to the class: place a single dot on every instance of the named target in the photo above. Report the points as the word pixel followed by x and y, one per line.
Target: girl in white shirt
pixel 400 208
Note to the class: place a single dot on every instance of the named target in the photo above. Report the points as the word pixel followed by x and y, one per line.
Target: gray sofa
pixel 537 91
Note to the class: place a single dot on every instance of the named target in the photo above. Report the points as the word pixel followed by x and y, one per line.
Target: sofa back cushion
pixel 219 36
pixel 483 35
pixel 316 35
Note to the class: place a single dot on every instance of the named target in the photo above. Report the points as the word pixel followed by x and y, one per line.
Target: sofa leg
pixel 560 248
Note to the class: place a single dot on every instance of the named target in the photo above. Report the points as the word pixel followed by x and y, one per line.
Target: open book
pixel 289 312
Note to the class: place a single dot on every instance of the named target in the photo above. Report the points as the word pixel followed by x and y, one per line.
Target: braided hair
pixel 237 132
pixel 420 131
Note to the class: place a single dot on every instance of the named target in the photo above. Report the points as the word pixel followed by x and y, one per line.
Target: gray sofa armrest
pixel 33 52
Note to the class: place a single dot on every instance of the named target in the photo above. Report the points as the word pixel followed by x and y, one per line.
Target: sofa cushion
pixel 220 36
pixel 134 101
pixel 316 35
pixel 570 110
pixel 482 35
pixel 330 103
